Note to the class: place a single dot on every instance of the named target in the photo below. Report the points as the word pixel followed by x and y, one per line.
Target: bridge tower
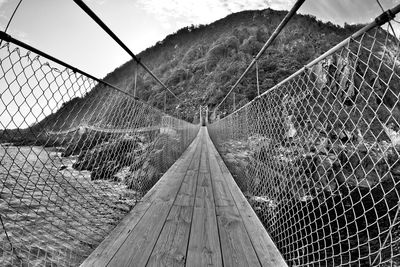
pixel 203 115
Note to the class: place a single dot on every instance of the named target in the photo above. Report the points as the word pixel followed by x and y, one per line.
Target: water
pixel 52 213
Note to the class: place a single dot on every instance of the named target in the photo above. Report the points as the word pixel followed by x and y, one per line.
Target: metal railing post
pixel 258 84
pixel 234 101
pixel 135 85
pixel 206 115
pixel 165 101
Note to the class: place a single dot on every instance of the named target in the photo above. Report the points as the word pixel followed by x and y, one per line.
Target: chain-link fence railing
pixel 318 156
pixel 76 154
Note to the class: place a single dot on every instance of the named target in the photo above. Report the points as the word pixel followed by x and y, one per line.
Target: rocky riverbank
pixel 141 159
pixel 52 213
pixel 58 203
pixel 337 199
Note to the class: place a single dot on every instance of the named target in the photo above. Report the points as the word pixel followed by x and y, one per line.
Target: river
pixel 52 213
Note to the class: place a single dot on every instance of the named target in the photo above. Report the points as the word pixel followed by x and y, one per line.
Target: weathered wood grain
pixel 107 249
pixel 171 246
pixel 237 249
pixel 204 246
pixel 138 246
pixel 267 252
pixel 194 216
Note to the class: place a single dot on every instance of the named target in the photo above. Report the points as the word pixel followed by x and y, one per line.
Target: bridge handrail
pixel 378 21
pixel 318 154
pixel 270 40
pixel 93 15
pixel 77 153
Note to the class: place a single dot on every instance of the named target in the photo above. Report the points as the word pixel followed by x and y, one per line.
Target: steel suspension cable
pixel 280 27
pixel 93 16
pixel 383 18
pixel 390 24
pixel 8 38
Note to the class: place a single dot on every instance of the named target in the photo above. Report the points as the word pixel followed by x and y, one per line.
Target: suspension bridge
pixel 305 174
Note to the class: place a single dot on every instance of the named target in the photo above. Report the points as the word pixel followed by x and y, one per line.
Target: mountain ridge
pixel 196 61
pixel 201 63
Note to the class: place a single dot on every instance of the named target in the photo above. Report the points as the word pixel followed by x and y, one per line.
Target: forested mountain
pixel 201 63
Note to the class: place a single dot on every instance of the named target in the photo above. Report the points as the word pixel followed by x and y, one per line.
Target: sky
pixel 60 28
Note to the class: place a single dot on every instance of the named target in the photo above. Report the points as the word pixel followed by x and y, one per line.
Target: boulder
pixel 143 179
pixel 117 151
pixel 105 171
pixel 362 166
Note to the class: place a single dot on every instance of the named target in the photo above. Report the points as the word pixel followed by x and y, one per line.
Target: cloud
pixel 3 16
pixel 97 2
pixel 20 35
pixel 189 11
pixel 239 5
pixel 17 34
pixel 2 2
pixel 186 12
pixel 175 14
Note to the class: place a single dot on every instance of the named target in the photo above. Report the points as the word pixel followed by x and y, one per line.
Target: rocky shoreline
pixel 52 213
pixel 341 196
pixel 73 189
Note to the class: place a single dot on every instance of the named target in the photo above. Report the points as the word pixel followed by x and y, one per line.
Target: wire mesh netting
pixel 318 156
pixel 76 155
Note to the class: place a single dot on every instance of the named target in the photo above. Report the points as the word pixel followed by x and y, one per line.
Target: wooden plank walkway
pixel 194 216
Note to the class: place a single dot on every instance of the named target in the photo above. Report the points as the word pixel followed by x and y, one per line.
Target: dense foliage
pixel 201 63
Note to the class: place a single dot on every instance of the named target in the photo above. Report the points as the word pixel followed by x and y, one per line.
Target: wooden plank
pixel 103 253
pixel 194 165
pixel 180 166
pixel 236 246
pixel 204 247
pixel 188 190
pixel 222 194
pixel 171 246
pixel 138 246
pixel 267 252
pixel 204 168
pixel 107 249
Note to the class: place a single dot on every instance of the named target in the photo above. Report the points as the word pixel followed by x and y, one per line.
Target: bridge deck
pixel 194 216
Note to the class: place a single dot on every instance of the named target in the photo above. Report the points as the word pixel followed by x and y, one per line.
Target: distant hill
pixel 201 63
